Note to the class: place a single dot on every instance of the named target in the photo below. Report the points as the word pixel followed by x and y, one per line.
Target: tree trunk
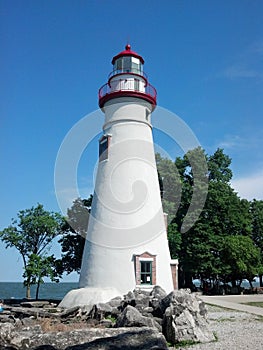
pixel 260 280
pixel 188 280
pixel 251 285
pixel 28 295
pixel 37 290
pixel 234 283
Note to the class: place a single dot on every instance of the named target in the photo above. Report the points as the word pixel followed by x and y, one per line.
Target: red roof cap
pixel 127 52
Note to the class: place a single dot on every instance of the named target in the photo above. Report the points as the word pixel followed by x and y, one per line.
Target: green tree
pixel 170 185
pixel 174 239
pixel 194 180
pixel 241 259
pixel 223 213
pixel 32 234
pixel 218 167
pixel 256 209
pixel 73 239
pixel 39 267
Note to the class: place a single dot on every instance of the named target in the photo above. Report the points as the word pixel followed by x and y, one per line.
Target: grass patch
pixel 224 319
pixel 185 343
pixel 216 337
pixel 217 308
pixel 111 318
pixel 254 303
pixel 182 344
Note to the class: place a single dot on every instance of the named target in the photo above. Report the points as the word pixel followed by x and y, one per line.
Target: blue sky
pixel 204 57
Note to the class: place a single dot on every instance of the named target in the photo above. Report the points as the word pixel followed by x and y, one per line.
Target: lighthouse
pixel 126 245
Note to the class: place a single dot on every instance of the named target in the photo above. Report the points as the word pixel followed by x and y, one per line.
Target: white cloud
pixel 231 142
pixel 247 64
pixel 249 187
pixel 247 142
pixel 240 71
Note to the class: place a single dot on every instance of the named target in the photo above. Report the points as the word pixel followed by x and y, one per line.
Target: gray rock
pixel 147 311
pixel 100 311
pixel 133 339
pixel 182 299
pixel 115 302
pixel 80 339
pixel 7 318
pixel 129 296
pixel 35 303
pixel 156 296
pixel 6 330
pixel 28 321
pixel 131 317
pixel 158 293
pixel 137 298
pixel 115 312
pixel 180 315
pixel 184 319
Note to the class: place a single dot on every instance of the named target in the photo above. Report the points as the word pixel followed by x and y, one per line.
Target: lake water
pixel 17 290
pixel 56 291
pixel 245 284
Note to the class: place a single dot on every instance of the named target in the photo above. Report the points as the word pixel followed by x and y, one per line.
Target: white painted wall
pixel 127 217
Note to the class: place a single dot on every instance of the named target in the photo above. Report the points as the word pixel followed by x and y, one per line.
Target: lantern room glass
pixel 128 64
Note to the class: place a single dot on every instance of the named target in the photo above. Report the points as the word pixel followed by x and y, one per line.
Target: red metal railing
pixel 122 86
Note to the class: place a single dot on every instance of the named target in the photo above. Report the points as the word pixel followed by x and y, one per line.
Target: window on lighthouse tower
pixel 103 147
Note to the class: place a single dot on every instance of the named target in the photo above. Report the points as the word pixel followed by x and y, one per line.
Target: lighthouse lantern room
pixel 126 244
pixel 127 79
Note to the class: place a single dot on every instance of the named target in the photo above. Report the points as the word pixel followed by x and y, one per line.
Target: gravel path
pixel 235 330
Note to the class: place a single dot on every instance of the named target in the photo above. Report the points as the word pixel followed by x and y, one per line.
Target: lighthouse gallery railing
pixel 122 85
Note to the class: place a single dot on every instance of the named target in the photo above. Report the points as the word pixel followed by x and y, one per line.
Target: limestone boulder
pixel 138 298
pixel 100 311
pixel 82 339
pixel 184 319
pixel 131 317
pixel 158 293
pixel 132 339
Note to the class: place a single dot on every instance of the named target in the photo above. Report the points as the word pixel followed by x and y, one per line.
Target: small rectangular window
pixel 126 64
pixel 136 65
pixel 146 272
pixel 118 64
pixel 103 147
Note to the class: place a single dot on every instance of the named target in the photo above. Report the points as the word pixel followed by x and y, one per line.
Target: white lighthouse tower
pixel 126 245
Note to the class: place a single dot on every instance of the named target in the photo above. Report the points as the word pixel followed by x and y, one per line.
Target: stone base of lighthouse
pixel 88 296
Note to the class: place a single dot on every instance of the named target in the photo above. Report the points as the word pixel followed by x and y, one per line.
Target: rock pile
pixel 139 320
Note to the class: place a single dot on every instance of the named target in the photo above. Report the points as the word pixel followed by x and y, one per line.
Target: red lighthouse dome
pixel 127 79
pixel 127 52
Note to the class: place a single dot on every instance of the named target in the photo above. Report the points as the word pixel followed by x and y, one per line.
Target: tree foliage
pixel 224 221
pixel 241 258
pixel 256 210
pixel 73 239
pixel 31 234
pixel 39 267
